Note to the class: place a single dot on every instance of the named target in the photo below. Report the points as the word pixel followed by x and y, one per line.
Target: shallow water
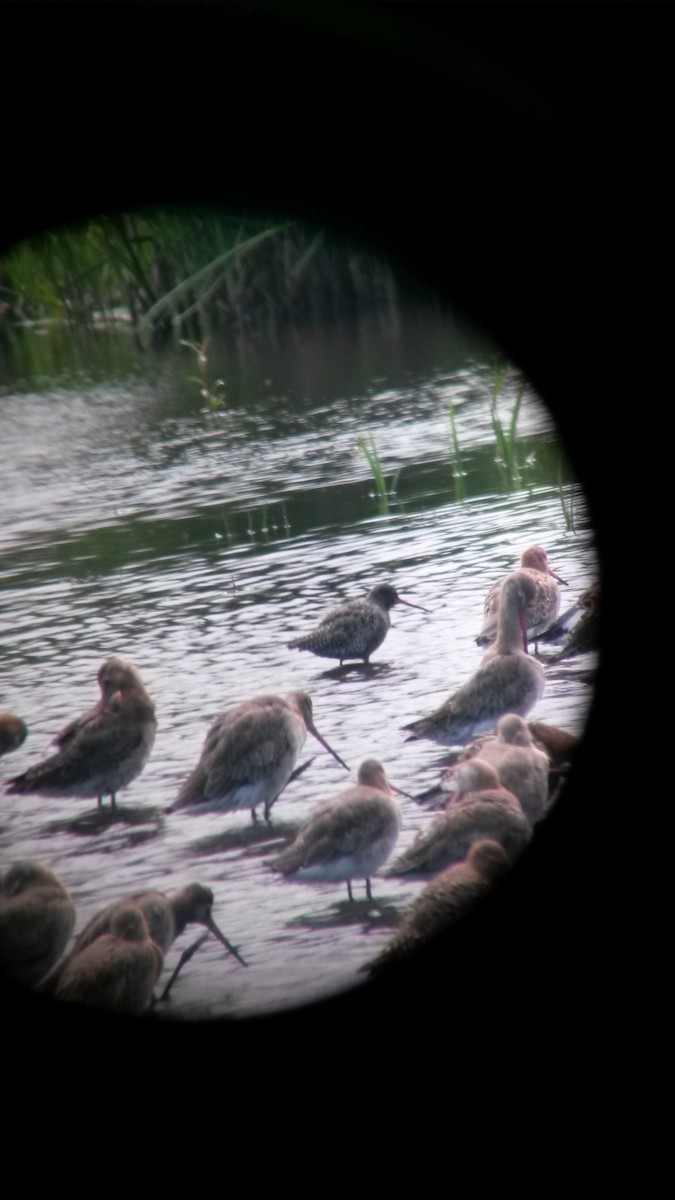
pixel 197 544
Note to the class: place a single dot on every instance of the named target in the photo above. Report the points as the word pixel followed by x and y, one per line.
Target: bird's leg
pixel 253 817
pixel 100 801
pixel 349 889
pixel 185 957
pixel 369 894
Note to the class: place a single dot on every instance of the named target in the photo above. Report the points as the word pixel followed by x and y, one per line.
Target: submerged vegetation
pixel 192 273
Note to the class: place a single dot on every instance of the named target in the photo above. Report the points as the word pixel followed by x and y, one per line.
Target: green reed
pixel 214 398
pixel 188 273
pixel 375 464
pixel 567 504
pixel 507 449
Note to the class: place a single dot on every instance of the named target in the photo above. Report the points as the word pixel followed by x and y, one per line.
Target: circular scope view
pixel 298 611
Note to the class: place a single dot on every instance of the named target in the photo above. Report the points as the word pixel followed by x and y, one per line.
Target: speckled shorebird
pixel 348 837
pixel 445 900
pixel 249 755
pixel 354 629
pixel 482 808
pixel 118 971
pixel 542 609
pixel 508 679
pixel 522 769
pixel 103 750
pixel 13 732
pixel 37 917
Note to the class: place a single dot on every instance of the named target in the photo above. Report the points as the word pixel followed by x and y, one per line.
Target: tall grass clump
pixel 189 273
pixel 214 397
pixel 374 462
pixel 566 503
pixel 507 451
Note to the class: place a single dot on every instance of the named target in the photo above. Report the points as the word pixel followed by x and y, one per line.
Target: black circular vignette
pixel 354 115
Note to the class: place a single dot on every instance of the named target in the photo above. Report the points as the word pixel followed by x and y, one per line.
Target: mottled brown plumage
pixel 508 680
pixel 103 750
pixel 354 629
pixel 481 809
pixel 118 971
pixel 166 917
pixel 445 900
pixel 542 608
pixel 522 769
pixel 347 837
pixel 249 755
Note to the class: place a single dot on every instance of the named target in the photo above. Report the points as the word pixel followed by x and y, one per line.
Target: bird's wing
pixel 496 679
pixel 244 753
pixel 104 740
pixel 73 728
pixel 342 620
pixel 491 603
pixel 338 828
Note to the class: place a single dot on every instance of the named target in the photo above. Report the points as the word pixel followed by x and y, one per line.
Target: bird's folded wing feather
pixel 338 829
pixel 244 756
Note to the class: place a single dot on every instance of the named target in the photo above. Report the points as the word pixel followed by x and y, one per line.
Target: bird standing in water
pixel 166 916
pixel 508 680
pixel 249 755
pixel 354 629
pixel 37 917
pixel 104 749
pixel 542 609
pixel 348 837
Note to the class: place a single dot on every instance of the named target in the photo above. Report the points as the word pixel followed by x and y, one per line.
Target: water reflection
pixel 197 545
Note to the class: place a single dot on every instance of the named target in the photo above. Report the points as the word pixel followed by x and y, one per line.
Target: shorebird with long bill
pixel 166 915
pixel 509 680
pixel 481 809
pixel 346 837
pixel 355 629
pixel 249 755
pixel 542 609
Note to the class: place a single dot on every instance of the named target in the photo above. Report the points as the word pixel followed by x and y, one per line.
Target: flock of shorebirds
pixel 498 786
